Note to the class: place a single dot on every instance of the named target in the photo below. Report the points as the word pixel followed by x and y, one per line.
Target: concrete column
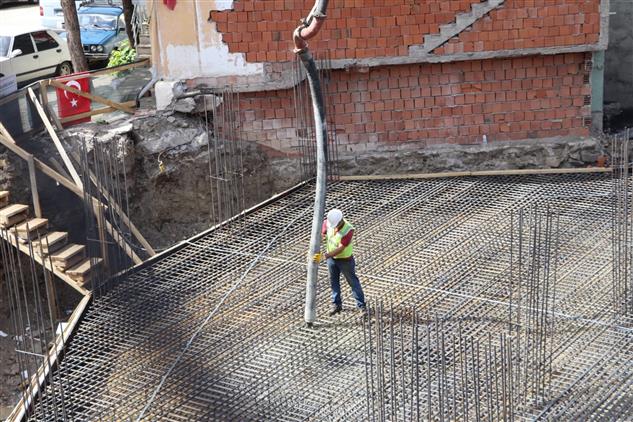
pixel 619 56
pixel 597 91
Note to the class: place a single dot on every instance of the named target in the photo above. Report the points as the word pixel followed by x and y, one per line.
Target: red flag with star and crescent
pixel 71 104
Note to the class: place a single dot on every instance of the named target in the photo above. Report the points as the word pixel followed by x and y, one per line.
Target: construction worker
pixel 338 233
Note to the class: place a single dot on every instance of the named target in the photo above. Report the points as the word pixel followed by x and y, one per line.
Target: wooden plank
pixel 44 94
pixel 51 293
pixel 68 256
pixel 58 143
pixel 67 183
pixel 107 71
pixel 59 168
pixel 54 118
pixel 98 111
pixel 478 173
pixel 34 193
pixel 82 272
pixel 12 210
pixel 32 227
pixel 38 379
pixel 43 261
pixel 13 214
pixel 3 130
pixel 92 97
pixel 47 107
pixel 4 198
pixel 119 239
pixel 50 243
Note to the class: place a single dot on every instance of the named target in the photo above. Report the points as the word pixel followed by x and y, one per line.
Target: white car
pixel 16 1
pixel 52 14
pixel 31 55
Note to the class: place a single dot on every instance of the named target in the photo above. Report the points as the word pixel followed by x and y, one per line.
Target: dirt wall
pixel 174 200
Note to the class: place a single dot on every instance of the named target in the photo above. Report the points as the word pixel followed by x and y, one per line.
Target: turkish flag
pixel 69 104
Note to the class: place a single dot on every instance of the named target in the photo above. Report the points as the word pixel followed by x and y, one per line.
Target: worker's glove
pixel 317 257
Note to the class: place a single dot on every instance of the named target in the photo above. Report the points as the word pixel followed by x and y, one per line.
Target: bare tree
pixel 128 10
pixel 71 22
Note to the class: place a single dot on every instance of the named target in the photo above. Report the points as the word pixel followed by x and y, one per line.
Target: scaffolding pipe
pixel 308 29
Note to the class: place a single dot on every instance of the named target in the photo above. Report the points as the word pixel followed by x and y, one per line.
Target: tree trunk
pixel 71 22
pixel 128 10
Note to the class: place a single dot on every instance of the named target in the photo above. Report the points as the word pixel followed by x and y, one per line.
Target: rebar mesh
pixel 444 247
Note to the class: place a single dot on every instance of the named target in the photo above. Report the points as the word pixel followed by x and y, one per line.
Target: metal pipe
pixel 310 26
pixel 308 29
pixel 147 87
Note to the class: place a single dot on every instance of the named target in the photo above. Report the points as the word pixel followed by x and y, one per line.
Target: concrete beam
pixel 597 91
pixel 284 80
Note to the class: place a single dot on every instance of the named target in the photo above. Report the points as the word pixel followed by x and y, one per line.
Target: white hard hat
pixel 334 216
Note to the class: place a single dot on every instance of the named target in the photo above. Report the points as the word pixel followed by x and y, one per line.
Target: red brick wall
pixel 506 99
pixel 261 29
pixel 531 24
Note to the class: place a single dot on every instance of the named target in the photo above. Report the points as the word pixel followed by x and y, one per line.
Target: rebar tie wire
pixel 214 311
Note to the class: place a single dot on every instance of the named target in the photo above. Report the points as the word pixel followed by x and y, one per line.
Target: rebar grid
pixel 623 223
pixel 445 247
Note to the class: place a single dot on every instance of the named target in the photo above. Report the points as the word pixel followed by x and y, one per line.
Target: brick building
pixel 414 72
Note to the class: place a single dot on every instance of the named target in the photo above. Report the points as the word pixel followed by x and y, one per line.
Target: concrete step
pixel 143 50
pixel 32 228
pixel 84 270
pixel 462 21
pixel 4 198
pixel 50 243
pixel 13 214
pixel 431 42
pixel 448 30
pixel 464 18
pixel 479 8
pixel 68 256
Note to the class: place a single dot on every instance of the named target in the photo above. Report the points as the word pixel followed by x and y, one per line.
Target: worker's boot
pixel 362 312
pixel 335 309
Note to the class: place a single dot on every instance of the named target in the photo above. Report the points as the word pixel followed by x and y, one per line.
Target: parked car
pixel 102 30
pixel 32 55
pixel 17 1
pixel 52 15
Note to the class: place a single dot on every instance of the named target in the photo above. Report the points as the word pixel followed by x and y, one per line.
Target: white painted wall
pixel 215 58
pixel 210 57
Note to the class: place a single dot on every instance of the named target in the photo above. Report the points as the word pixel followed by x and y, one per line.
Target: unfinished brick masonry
pixel 513 98
pixel 416 72
pixel 379 28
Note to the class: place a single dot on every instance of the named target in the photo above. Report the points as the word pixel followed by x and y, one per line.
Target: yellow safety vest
pixel 334 237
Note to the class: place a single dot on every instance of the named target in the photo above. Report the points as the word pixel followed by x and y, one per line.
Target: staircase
pixel 144 47
pixel 140 23
pixel 49 249
pixel 462 21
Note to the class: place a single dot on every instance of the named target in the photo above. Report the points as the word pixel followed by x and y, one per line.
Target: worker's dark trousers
pixel 348 268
